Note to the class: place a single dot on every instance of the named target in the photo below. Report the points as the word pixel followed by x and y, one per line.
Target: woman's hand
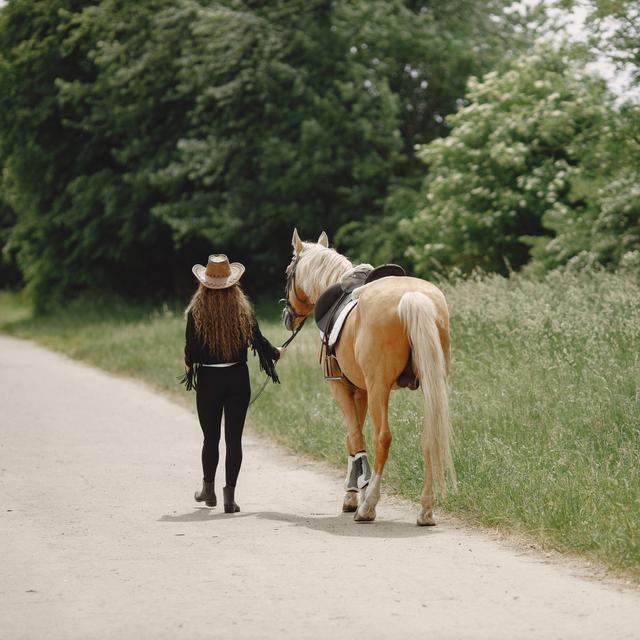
pixel 282 351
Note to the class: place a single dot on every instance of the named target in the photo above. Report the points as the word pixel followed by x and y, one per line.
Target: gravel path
pixel 100 537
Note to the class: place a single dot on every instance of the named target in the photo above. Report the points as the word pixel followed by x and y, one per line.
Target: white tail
pixel 418 316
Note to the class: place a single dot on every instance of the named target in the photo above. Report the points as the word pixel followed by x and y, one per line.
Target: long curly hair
pixel 223 319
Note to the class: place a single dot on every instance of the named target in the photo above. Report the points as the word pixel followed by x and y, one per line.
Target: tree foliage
pixel 601 225
pixel 135 137
pixel 614 29
pixel 39 154
pixel 536 150
pixel 429 55
pixel 9 273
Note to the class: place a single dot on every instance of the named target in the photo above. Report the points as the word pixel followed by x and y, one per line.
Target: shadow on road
pixel 344 525
pixel 339 525
pixel 202 514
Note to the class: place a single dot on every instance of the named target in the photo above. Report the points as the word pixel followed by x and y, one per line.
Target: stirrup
pixel 330 364
pixel 332 368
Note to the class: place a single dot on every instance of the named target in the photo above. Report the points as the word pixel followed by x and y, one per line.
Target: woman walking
pixel 221 326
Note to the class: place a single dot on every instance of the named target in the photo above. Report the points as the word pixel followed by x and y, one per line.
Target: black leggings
pixel 228 389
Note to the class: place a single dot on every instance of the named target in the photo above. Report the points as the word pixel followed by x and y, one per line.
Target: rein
pixel 284 345
pixel 290 286
pixel 289 340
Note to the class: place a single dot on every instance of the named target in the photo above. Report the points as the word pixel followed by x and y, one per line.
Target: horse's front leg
pixel 353 403
pixel 378 408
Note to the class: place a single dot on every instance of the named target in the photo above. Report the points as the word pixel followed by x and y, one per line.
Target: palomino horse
pixel 397 320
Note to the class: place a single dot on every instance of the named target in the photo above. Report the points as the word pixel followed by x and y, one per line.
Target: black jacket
pixel 196 352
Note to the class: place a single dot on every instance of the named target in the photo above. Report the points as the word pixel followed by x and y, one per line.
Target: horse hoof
pixel 365 514
pixel 426 520
pixel 350 503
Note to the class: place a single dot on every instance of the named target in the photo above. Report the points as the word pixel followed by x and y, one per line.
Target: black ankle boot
pixel 207 494
pixel 230 505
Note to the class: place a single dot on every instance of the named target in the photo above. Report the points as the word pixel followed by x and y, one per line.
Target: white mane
pixel 319 268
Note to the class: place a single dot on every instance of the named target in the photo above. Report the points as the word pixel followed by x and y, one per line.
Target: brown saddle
pixel 337 296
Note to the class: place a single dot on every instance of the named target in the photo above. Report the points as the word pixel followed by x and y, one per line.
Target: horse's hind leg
pixel 353 402
pixel 378 409
pixel 427 500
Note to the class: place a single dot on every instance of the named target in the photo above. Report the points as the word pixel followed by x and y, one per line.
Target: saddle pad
pixel 356 277
pixel 337 327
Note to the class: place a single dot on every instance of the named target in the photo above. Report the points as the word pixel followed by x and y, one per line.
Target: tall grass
pixel 546 407
pixel 545 401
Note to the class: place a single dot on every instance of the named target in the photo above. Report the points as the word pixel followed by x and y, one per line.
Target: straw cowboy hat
pixel 219 273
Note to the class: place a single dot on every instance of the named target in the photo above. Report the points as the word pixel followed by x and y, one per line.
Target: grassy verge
pixel 545 399
pixel 126 339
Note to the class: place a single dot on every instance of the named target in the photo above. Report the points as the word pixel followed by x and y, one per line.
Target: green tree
pixel 605 228
pixel 510 165
pixel 9 273
pixel 614 28
pixel 38 153
pixel 137 136
pixel 79 223
pixel 284 131
pixel 426 52
pixel 608 232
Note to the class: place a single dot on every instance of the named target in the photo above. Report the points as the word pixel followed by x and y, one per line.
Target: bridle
pixel 290 287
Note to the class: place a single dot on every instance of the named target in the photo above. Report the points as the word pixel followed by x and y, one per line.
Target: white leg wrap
pixel 358 472
pixel 351 481
pixel 363 470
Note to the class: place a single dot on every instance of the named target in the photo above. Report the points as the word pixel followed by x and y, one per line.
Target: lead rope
pixel 284 345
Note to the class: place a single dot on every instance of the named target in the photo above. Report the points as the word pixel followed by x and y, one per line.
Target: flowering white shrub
pixel 533 159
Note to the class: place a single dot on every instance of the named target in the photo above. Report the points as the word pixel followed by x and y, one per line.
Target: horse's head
pixel 298 304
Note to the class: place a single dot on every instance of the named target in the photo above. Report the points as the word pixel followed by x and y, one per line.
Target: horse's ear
pixel 324 239
pixel 296 242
